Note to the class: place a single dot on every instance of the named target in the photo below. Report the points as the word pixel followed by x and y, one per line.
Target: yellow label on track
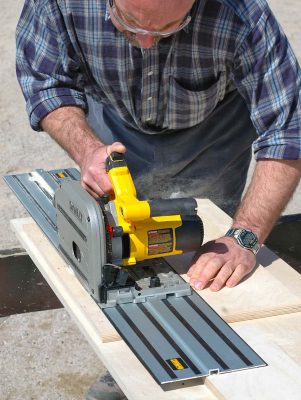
pixel 177 364
pixel 61 174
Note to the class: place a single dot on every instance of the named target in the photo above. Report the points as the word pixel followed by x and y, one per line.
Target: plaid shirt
pixel 69 48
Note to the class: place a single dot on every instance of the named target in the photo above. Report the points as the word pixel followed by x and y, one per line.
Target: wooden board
pixel 126 369
pixel 130 374
pixel 283 330
pixel 279 380
pixel 261 295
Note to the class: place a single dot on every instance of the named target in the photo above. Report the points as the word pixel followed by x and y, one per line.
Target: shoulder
pixel 245 12
pixel 248 11
pixel 44 9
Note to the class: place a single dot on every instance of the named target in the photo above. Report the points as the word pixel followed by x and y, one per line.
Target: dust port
pixel 76 252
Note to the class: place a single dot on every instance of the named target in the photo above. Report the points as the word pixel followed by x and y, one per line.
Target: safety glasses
pixel 116 15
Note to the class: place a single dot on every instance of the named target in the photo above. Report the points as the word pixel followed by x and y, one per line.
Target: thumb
pixel 116 146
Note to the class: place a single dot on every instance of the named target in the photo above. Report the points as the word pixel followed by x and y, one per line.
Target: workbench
pixel 265 310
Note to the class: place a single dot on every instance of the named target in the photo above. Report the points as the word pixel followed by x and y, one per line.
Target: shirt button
pixel 150 73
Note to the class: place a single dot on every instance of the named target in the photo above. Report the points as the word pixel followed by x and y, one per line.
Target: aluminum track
pixel 35 191
pixel 181 338
pixel 176 338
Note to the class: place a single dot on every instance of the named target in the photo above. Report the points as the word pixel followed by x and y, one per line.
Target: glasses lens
pixel 116 14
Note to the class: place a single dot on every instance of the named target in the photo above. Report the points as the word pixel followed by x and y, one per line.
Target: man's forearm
pixel 69 128
pixel 272 185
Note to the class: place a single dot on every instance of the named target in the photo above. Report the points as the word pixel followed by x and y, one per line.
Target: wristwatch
pixel 245 238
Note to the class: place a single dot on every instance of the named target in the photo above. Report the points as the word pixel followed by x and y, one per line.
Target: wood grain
pixel 279 380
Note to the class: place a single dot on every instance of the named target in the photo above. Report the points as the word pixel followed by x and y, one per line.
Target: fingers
pixel 222 276
pixel 94 178
pixel 227 275
pixel 205 269
pixel 220 263
pixel 218 274
pixel 98 192
pixel 240 272
pixel 116 146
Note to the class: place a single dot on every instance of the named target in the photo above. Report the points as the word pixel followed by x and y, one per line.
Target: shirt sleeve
pixel 268 76
pixel 48 69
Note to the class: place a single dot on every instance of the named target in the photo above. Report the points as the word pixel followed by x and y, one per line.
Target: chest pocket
pixel 186 108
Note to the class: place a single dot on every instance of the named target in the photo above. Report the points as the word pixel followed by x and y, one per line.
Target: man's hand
pixel 93 172
pixel 220 262
pixel 224 261
pixel 69 127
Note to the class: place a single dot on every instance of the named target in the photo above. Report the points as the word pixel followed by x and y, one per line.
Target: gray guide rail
pixel 176 338
pixel 35 191
pixel 181 338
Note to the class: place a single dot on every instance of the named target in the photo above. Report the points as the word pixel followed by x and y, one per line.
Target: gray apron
pixel 208 160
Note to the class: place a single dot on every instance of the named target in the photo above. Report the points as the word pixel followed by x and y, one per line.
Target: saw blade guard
pixel 82 233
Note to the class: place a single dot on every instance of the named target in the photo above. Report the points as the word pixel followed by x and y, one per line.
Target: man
pixel 181 86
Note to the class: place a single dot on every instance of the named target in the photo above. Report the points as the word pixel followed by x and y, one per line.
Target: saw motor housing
pixel 155 228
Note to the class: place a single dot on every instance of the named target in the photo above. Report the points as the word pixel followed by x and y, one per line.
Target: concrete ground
pixel 43 355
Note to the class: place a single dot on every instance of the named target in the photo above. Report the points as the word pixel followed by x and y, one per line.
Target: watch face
pixel 248 239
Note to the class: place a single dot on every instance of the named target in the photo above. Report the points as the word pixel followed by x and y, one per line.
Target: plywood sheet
pixel 279 380
pixel 134 380
pixel 281 376
pixel 260 296
pixel 283 330
pixel 263 294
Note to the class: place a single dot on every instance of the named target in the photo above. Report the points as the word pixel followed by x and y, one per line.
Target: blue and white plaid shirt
pixel 69 48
